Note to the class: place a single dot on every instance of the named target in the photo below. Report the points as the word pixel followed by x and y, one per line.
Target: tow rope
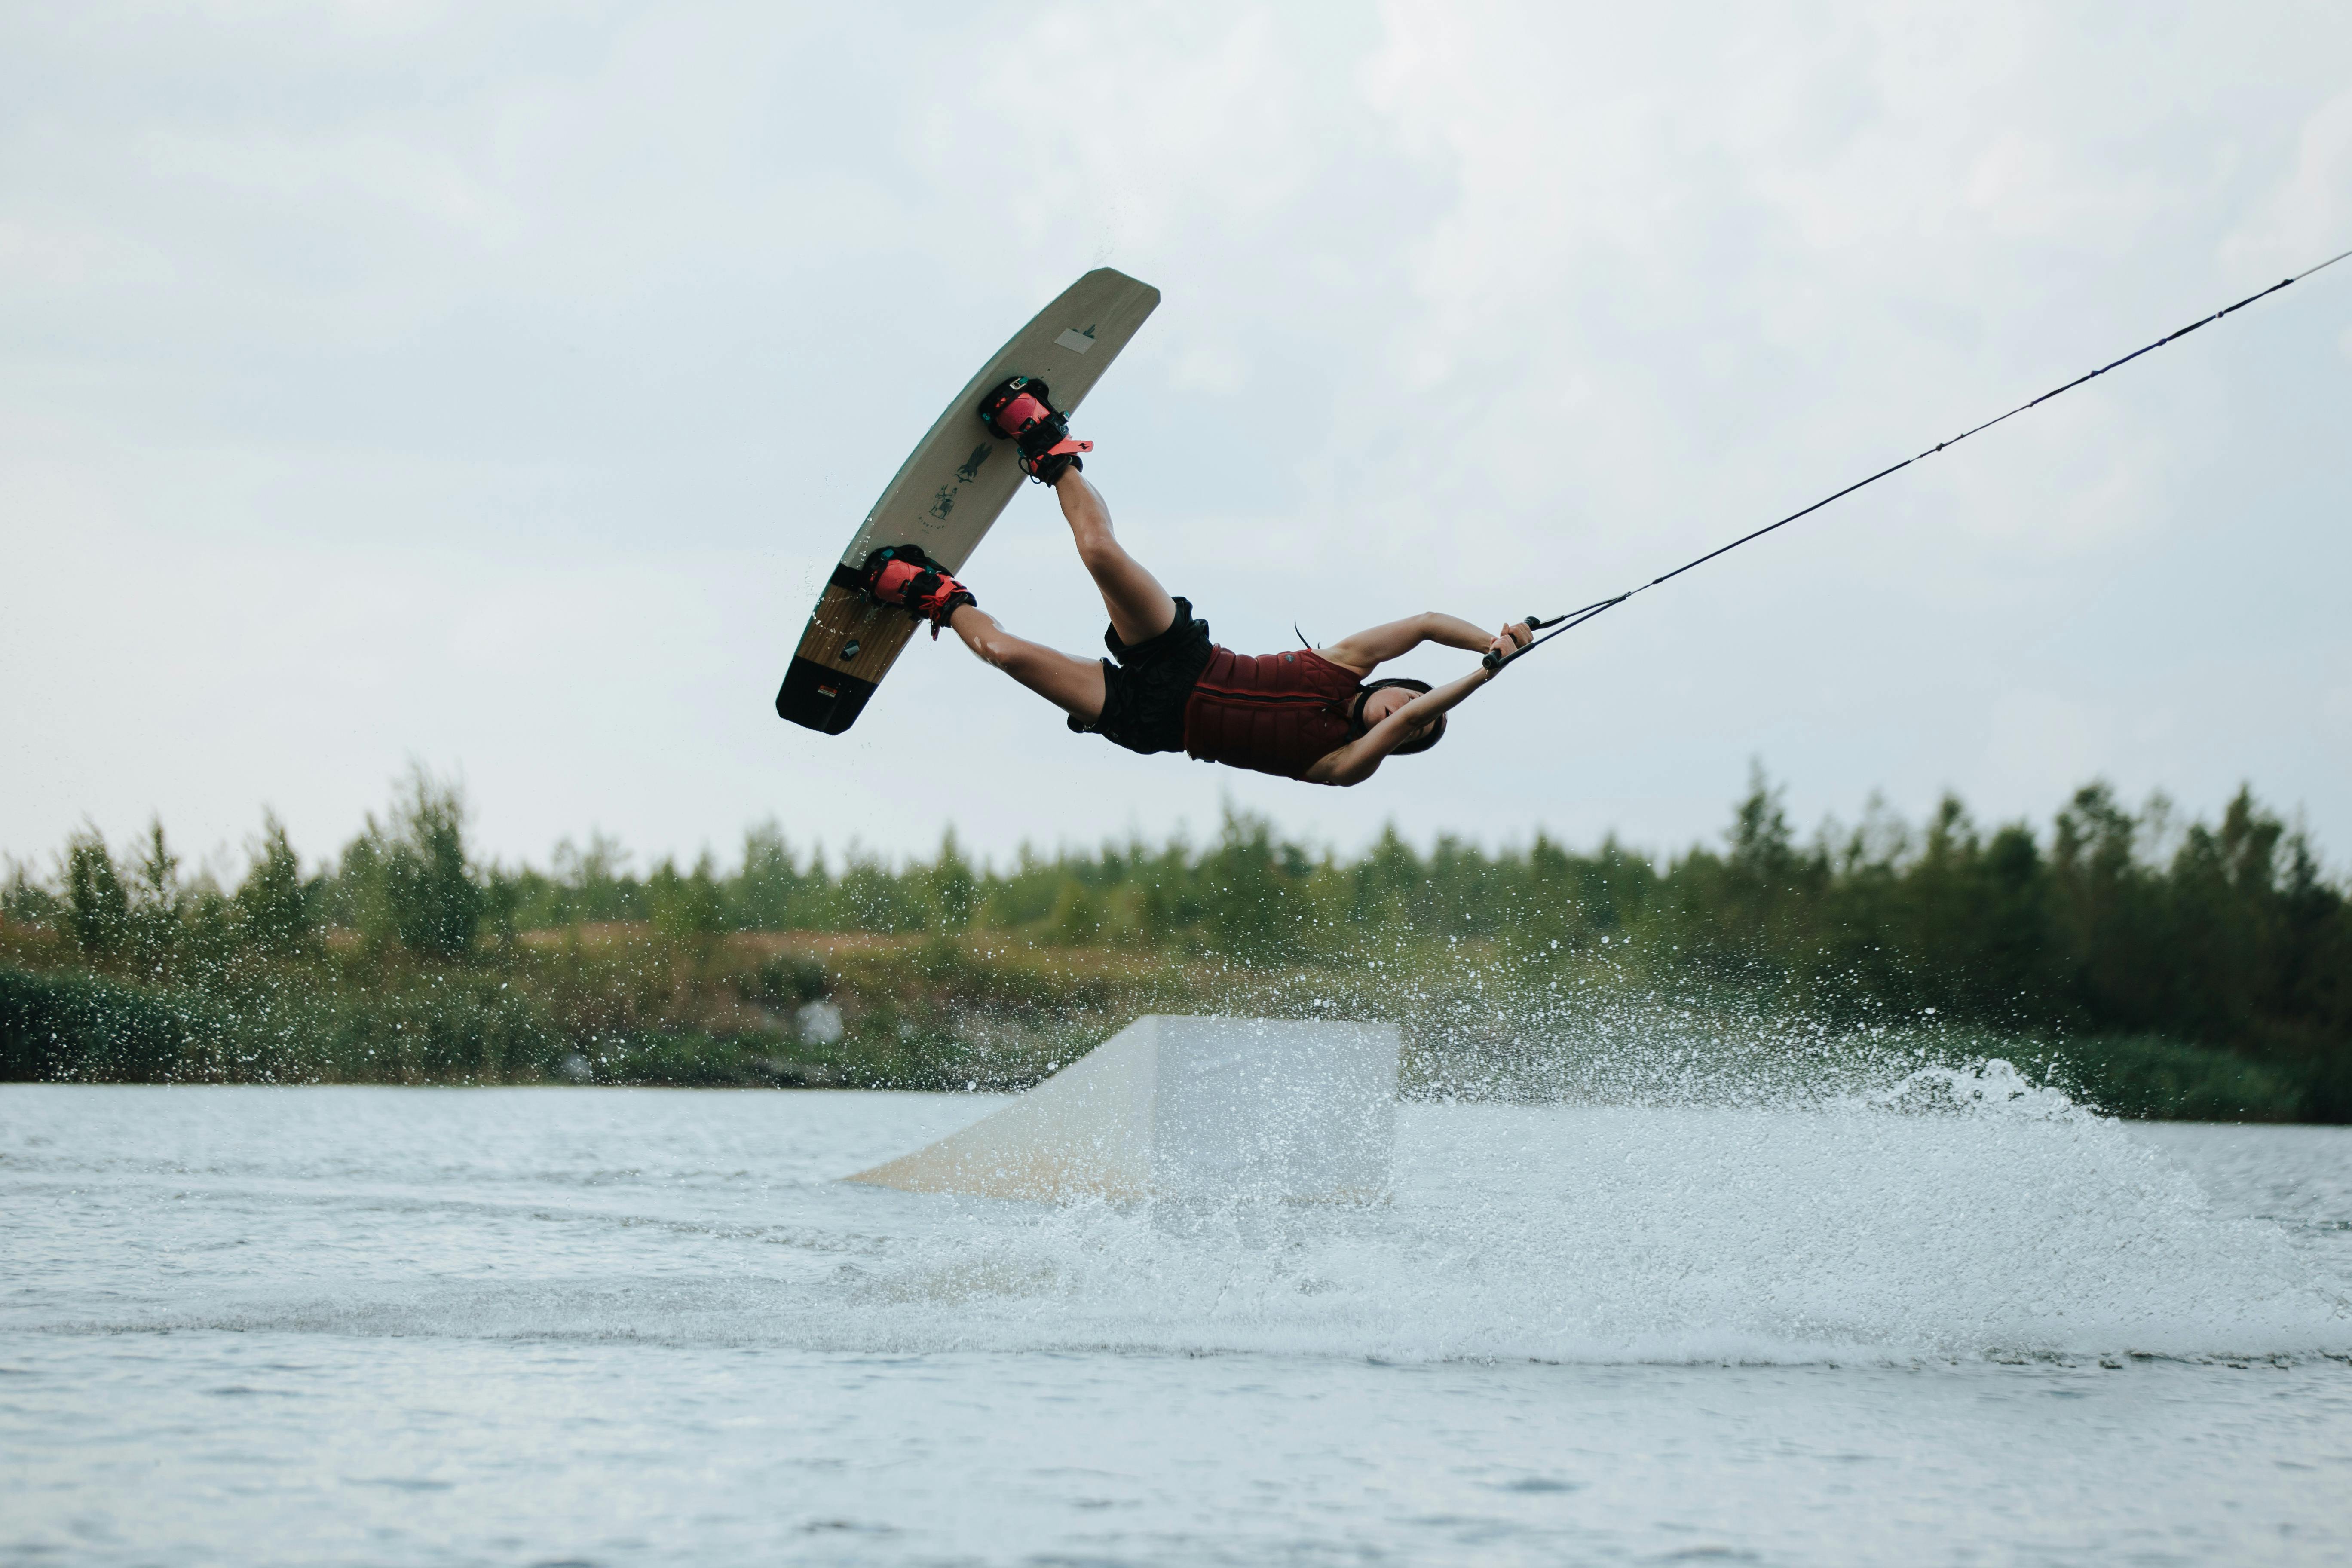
pixel 1571 619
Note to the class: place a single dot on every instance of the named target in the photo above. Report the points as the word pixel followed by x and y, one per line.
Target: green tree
pixel 2104 909
pixel 689 905
pixel 97 909
pixel 408 880
pixel 1250 913
pixel 954 890
pixel 159 904
pixel 1078 917
pixel 596 881
pixel 768 891
pixel 24 900
pixel 873 897
pixel 272 907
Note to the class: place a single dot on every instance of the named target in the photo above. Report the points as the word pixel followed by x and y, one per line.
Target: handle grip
pixel 1493 661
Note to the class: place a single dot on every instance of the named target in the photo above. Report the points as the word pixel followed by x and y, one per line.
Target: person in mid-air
pixel 1310 713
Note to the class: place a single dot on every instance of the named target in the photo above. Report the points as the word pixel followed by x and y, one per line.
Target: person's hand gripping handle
pixel 1511 641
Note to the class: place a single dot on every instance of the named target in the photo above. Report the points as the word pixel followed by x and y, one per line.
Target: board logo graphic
pixel 971 469
pixel 943 503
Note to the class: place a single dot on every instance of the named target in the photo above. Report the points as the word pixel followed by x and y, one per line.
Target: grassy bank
pixel 2157 967
pixel 621 1004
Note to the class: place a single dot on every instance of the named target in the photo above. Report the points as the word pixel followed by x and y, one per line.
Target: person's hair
pixel 1428 738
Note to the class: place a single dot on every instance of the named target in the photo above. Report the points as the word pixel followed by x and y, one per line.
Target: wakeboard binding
pixel 903 576
pixel 1018 408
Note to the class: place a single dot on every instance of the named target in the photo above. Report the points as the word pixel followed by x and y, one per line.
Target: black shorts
pixel 1145 692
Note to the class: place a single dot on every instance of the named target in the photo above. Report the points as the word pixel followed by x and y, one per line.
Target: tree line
pixel 2228 935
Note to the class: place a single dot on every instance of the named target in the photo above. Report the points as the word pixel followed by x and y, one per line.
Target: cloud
pixel 524 368
pixel 2308 217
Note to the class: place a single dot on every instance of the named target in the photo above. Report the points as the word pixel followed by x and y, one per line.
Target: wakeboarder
pixel 1312 714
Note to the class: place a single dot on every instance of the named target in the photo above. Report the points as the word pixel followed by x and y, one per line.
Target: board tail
pixel 823 699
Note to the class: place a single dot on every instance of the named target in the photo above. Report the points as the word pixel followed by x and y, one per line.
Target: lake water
pixel 603 1326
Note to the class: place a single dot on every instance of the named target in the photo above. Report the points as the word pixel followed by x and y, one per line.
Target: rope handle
pixel 1567 622
pixel 1493 660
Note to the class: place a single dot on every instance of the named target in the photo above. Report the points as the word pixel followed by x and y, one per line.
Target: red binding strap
pixel 1024 411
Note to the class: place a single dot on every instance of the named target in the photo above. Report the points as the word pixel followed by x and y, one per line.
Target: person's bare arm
pixel 1375 646
pixel 1360 758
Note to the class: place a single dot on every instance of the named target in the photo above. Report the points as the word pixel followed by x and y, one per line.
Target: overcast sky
pixel 495 387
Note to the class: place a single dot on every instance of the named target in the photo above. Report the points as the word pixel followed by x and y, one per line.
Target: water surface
pixel 375 1325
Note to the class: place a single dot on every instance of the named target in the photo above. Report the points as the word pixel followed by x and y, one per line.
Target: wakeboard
pixel 947 494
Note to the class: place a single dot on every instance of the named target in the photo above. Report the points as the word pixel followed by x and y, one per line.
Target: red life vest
pixel 1275 714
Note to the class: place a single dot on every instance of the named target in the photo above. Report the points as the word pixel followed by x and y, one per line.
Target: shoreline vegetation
pixel 2147 965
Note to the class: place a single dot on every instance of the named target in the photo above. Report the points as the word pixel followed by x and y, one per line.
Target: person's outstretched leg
pixel 1073 685
pixel 1140 608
